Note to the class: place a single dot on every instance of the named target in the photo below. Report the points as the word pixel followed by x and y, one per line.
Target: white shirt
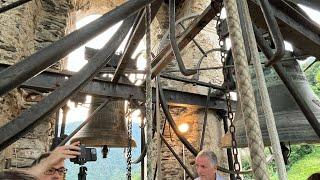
pixel 218 177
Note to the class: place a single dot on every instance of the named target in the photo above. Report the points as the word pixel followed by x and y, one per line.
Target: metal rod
pixel 194 41
pixel 89 119
pixel 177 157
pixel 248 34
pixel 158 119
pixel 28 119
pixel 173 41
pixel 166 55
pixel 122 63
pixel 191 81
pixel 310 116
pixel 274 31
pixel 205 120
pixel 316 60
pixel 44 58
pixel 65 110
pixel 167 113
pixel 136 38
pixel 13 5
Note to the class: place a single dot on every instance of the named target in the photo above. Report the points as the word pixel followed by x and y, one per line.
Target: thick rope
pixel 265 99
pixel 245 93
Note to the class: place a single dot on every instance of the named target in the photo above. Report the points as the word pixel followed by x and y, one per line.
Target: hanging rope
pixel 265 99
pixel 246 94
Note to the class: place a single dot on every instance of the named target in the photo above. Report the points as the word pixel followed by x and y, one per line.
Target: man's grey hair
pixel 210 155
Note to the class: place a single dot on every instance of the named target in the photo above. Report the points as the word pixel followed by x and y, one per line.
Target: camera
pixel 87 154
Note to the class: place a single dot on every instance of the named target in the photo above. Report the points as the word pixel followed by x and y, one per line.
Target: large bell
pixel 108 126
pixel 290 121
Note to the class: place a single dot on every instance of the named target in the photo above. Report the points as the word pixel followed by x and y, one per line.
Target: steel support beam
pixel 295 27
pixel 314 4
pixel 50 80
pixel 166 55
pixel 13 5
pixel 135 40
pixel 90 52
pixel 29 118
pixel 44 58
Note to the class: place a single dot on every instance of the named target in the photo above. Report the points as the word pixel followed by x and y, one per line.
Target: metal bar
pixel 310 3
pixel 263 45
pixel 167 113
pixel 173 41
pixel 90 52
pixel 49 81
pixel 205 120
pixel 136 38
pixel 300 31
pixel 177 157
pixel 194 41
pixel 133 41
pixel 65 110
pixel 44 58
pixel 166 55
pixel 192 81
pixel 55 140
pixel 32 116
pixel 90 118
pixel 316 60
pixel 13 5
pixel 274 31
pixel 158 124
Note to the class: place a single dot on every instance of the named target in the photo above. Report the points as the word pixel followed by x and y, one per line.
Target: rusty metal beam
pixel 90 52
pixel 44 58
pixel 48 81
pixel 29 118
pixel 296 28
pixel 166 55
pixel 134 41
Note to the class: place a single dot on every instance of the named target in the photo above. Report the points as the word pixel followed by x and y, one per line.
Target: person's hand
pixel 58 155
pixel 61 153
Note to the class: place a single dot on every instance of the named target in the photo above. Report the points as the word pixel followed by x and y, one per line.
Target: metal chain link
pixel 225 71
pixel 129 155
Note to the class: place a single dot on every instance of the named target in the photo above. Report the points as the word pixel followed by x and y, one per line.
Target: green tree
pixel 313 76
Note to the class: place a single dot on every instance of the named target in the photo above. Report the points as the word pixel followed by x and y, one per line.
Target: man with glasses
pixel 50 166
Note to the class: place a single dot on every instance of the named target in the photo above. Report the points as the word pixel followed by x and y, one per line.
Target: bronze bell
pixel 290 121
pixel 107 128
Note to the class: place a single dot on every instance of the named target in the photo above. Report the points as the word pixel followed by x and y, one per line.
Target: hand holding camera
pixel 86 154
pixel 64 152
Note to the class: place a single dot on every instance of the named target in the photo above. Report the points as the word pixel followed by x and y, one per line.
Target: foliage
pixel 306 166
pixel 313 76
pixel 301 156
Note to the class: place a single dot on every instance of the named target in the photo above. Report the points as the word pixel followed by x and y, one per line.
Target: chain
pixel 129 143
pixel 232 128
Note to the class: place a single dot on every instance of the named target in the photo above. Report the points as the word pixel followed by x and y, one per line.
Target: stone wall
pixel 23 31
pixel 32 26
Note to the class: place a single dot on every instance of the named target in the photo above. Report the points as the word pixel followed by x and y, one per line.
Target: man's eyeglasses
pixel 61 171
